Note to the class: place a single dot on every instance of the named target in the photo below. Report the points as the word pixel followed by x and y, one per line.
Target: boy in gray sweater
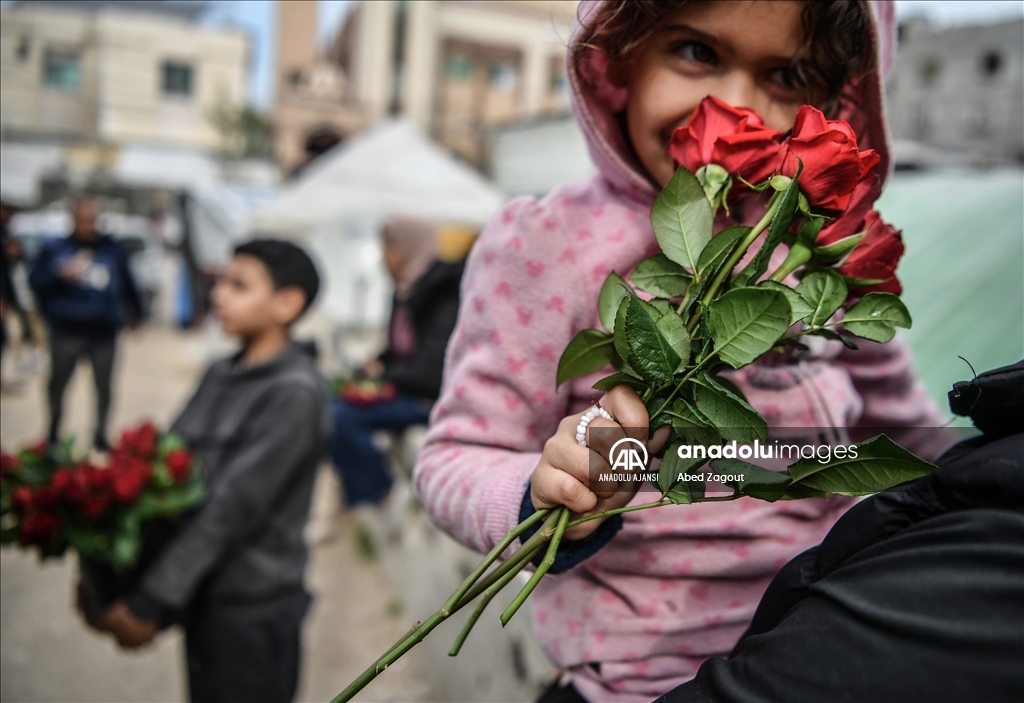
pixel 259 423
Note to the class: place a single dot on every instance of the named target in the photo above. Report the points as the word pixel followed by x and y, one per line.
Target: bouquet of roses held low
pixel 363 391
pixel 50 501
pixel 701 312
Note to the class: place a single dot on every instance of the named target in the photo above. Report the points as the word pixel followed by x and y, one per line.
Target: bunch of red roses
pixel 731 150
pixel 50 501
pixel 363 391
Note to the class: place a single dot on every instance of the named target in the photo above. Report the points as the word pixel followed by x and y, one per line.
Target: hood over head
pixel 598 109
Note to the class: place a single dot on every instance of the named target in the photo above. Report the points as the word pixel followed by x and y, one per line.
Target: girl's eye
pixel 786 77
pixel 697 52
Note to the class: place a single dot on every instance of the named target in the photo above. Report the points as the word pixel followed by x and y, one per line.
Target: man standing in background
pixel 82 283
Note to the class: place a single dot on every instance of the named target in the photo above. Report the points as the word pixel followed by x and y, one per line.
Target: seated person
pixel 916 594
pixel 232 574
pixel 423 313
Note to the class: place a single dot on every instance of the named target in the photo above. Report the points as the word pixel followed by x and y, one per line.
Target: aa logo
pixel 625 457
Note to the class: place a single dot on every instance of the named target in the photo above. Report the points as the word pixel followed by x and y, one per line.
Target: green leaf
pixel 839 248
pixel 757 482
pixel 747 322
pixel 655 357
pixel 659 275
pixel 720 248
pixel 824 291
pixel 876 317
pixel 728 413
pixel 590 350
pixel 691 426
pixel 619 379
pixel 613 290
pixel 673 329
pixel 879 464
pixel 799 307
pixel 619 337
pixel 781 221
pixel 678 492
pixel 682 219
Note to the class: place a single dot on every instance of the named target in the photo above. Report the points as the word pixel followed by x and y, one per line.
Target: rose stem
pixel 417 634
pixel 490 558
pixel 734 258
pixel 549 559
pixel 491 591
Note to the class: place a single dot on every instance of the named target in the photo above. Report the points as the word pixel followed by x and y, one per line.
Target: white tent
pixel 339 203
pixel 387 170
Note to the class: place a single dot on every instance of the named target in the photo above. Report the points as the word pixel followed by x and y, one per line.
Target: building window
pixel 991 64
pixel 62 68
pixel 176 79
pixel 504 76
pixel 459 67
pixel 929 70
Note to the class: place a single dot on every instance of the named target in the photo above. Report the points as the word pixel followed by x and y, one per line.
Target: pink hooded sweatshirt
pixel 678 584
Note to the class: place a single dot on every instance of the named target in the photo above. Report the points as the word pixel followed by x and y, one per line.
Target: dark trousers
pixel 363 471
pixel 65 352
pixel 245 655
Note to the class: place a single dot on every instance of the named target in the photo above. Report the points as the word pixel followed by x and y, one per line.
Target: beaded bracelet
pixel 581 429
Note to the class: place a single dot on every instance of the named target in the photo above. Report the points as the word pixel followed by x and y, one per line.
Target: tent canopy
pixel 390 169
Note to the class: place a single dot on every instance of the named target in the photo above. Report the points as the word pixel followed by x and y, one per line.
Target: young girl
pixel 662 589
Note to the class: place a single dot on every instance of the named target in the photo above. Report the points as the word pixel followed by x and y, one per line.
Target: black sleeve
pixel 935 613
pixel 131 291
pixel 276 446
pixel 421 375
pixel 7 292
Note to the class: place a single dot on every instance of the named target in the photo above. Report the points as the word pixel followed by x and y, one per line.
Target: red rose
pixel 38 529
pixel 45 498
pixel 21 499
pixel 735 138
pixel 9 464
pixel 851 222
pixel 875 258
pixel 94 507
pixel 128 478
pixel 140 442
pixel 179 465
pixel 62 482
pixel 833 166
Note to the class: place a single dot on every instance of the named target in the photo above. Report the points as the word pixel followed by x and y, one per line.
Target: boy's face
pixel 246 302
pixel 739 52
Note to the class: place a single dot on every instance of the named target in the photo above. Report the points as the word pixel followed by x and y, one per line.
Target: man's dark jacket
pixel 433 306
pixel 93 306
pixel 259 433
pixel 916 594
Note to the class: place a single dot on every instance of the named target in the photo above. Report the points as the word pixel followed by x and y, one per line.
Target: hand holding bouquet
pixel 699 311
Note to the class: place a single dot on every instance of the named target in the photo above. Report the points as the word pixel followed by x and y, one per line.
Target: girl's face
pixel 739 52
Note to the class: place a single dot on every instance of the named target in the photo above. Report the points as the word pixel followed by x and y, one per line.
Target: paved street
pixel 47 654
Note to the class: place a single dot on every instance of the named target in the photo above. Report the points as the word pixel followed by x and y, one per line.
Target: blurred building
pixel 112 72
pixel 961 90
pixel 313 109
pixel 455 68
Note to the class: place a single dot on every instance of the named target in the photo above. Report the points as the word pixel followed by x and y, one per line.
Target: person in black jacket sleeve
pixel 916 594
pixel 83 283
pixel 424 309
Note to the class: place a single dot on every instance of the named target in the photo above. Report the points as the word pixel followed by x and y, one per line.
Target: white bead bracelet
pixel 581 429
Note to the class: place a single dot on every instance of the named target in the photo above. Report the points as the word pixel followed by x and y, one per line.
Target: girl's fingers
pixel 629 411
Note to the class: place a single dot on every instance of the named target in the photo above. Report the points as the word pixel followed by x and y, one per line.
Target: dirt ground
pixel 46 652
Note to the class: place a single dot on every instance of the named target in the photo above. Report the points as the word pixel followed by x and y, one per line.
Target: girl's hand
pixel 562 476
